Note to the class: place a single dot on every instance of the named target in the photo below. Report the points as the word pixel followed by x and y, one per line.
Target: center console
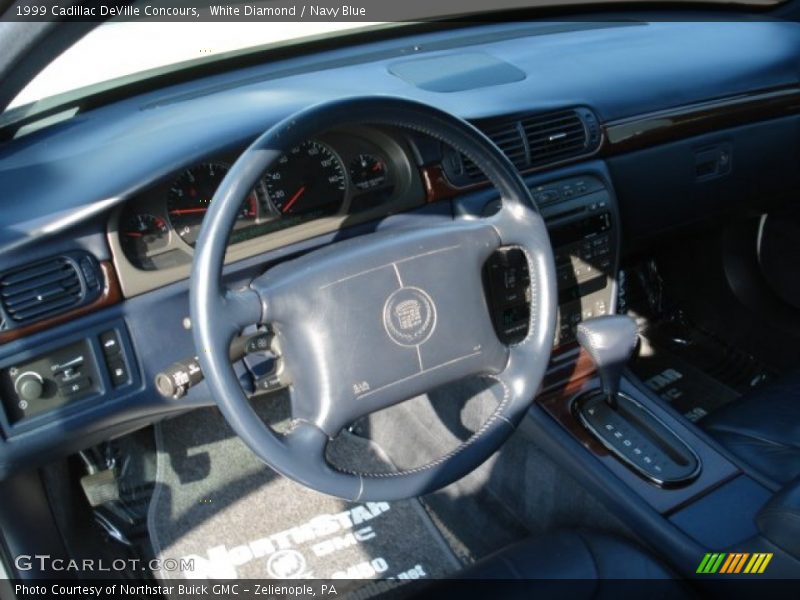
pixel 648 448
pixel 671 483
pixel 622 424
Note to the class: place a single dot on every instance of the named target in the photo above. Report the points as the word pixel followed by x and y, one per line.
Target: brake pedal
pixel 101 487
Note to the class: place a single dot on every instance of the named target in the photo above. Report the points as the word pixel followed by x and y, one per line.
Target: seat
pixel 763 428
pixel 569 555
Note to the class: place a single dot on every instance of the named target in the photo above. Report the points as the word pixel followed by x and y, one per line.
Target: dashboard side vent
pixel 48 287
pixel 532 142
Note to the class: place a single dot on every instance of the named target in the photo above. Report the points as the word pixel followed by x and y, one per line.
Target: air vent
pixel 47 288
pixel 532 142
pixel 554 137
pixel 508 137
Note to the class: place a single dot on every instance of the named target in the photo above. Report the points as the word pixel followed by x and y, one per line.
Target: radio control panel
pixel 584 235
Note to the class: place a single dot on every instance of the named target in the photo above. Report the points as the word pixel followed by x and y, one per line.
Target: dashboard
pixel 118 191
pixel 340 178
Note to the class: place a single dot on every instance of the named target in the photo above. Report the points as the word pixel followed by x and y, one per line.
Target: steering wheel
pixel 369 322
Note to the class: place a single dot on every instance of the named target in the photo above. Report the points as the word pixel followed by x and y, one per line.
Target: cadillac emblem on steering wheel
pixel 409 316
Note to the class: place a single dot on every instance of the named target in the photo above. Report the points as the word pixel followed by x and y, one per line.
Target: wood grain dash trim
pixel 437 187
pixel 559 386
pixel 660 127
pixel 651 129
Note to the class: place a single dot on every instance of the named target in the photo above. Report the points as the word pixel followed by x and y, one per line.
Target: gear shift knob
pixel 610 341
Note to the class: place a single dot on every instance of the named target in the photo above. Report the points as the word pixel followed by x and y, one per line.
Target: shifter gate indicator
pixel 409 316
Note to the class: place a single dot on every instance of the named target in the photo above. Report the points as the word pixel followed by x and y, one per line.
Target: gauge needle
pixel 187 211
pixel 133 234
pixel 293 199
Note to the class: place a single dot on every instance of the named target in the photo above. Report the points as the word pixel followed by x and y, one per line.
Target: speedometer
pixel 309 180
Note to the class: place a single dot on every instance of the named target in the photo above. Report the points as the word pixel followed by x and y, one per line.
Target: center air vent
pixel 532 142
pixel 508 137
pixel 554 137
pixel 47 288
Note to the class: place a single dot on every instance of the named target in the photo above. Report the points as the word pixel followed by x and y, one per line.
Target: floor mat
pixel 215 503
pixel 517 493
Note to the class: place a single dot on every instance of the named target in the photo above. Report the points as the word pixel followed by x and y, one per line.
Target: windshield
pixel 120 48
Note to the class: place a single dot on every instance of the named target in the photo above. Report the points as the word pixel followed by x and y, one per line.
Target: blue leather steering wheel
pixel 372 321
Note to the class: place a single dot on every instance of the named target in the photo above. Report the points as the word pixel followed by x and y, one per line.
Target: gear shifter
pixel 621 421
pixel 610 341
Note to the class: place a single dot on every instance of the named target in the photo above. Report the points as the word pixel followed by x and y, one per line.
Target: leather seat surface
pixel 763 428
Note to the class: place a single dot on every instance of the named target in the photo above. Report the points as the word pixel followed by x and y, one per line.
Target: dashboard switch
pixel 109 340
pixel 507 280
pixel 76 387
pixel 118 371
pixel 67 375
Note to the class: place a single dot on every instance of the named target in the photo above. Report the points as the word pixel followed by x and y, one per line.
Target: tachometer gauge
pixel 367 172
pixel 143 233
pixel 190 197
pixel 309 180
pixel 191 194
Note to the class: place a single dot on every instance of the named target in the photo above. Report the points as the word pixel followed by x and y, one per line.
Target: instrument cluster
pixel 334 177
